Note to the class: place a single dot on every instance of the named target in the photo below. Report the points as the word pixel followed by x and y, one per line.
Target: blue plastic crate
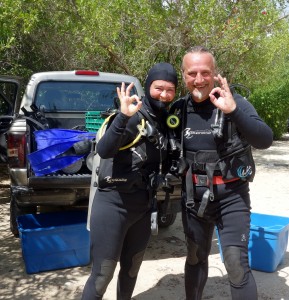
pixel 268 241
pixel 53 241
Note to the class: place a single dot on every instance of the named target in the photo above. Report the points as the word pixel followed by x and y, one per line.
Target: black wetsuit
pixel 230 210
pixel 120 217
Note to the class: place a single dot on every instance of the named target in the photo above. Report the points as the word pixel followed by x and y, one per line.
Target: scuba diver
pixel 133 151
pixel 216 130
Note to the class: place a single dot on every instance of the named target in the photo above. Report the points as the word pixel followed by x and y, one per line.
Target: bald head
pixel 198 70
pixel 200 50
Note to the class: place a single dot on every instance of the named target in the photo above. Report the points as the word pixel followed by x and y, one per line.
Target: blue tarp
pixel 54 149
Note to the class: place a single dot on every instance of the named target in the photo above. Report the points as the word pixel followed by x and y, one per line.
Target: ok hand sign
pixel 129 105
pixel 224 101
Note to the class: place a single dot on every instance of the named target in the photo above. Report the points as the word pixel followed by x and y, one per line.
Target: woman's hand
pixel 129 105
pixel 222 97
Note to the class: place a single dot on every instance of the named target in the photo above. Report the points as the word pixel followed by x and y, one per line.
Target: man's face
pixel 198 74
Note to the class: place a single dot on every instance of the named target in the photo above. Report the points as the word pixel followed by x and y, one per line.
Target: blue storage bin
pixel 268 241
pixel 55 240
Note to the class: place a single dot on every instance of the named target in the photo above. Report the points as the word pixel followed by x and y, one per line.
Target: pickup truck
pixel 69 100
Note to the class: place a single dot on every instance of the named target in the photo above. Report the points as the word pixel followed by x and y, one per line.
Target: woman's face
pixel 162 90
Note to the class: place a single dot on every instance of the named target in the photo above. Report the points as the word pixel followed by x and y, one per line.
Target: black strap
pixel 190 202
pixel 209 193
pixel 204 203
pixel 184 117
pixel 33 121
pixel 147 116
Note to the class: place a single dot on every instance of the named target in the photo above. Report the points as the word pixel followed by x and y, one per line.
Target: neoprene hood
pixel 160 71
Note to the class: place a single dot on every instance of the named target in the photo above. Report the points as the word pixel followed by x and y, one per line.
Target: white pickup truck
pixel 69 100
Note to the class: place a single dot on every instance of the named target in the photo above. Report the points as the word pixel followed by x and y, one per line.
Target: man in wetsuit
pixel 120 222
pixel 219 166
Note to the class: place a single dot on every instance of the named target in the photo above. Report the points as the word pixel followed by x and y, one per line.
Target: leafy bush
pixel 272 104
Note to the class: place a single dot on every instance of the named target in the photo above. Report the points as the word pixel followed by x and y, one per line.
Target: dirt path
pixel 161 275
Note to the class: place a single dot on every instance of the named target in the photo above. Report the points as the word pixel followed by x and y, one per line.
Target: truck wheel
pixel 15 211
pixel 167 221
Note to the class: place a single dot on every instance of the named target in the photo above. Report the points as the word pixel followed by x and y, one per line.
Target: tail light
pixel 16 150
pixel 87 72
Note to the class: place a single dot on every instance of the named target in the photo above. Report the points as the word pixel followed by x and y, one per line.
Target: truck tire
pixel 167 221
pixel 15 211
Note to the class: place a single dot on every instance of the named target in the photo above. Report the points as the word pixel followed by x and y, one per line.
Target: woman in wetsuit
pixel 120 222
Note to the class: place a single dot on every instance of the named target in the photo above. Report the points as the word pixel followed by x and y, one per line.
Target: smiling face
pixel 198 74
pixel 163 91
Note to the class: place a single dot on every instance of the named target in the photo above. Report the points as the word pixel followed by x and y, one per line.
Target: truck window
pixel 76 96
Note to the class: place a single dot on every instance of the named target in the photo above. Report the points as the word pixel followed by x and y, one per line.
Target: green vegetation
pixel 272 104
pixel 249 38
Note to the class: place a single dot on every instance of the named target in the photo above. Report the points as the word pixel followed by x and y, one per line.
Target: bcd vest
pixel 232 158
pixel 128 170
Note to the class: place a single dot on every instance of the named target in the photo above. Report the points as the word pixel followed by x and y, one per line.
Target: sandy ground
pixel 161 275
